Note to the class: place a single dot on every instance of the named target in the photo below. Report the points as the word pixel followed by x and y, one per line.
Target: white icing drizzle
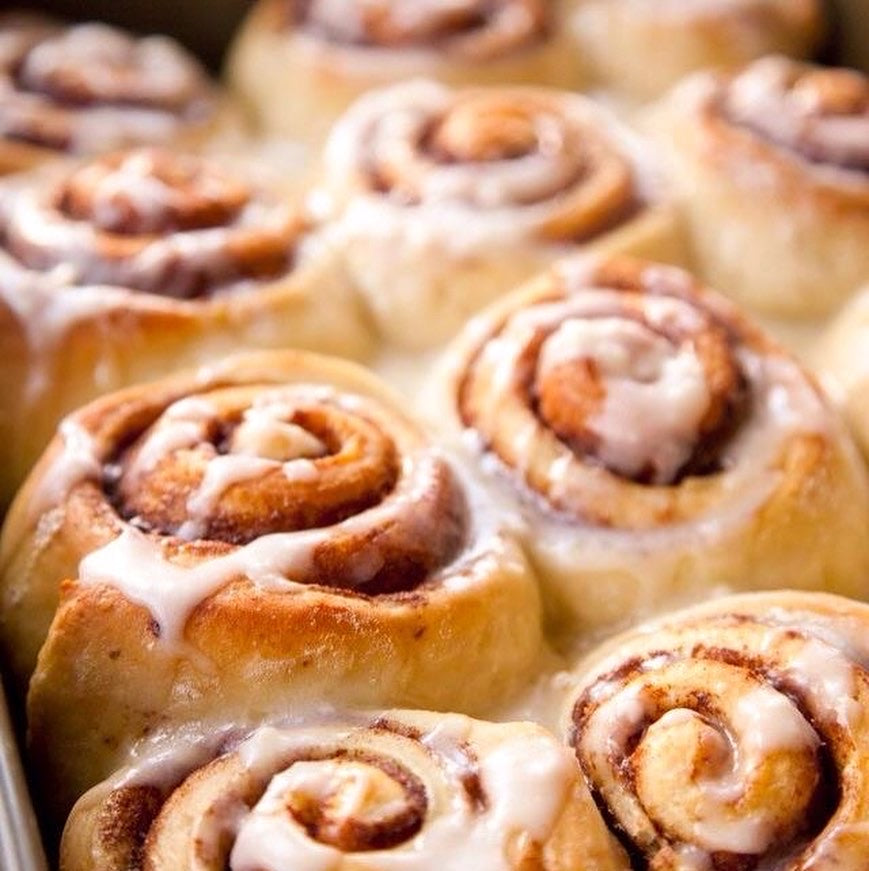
pixel 268 840
pixel 769 721
pixel 526 779
pixel 697 8
pixel 260 445
pixel 751 834
pixel 827 674
pixel 529 779
pixel 617 719
pixel 262 435
pixel 300 470
pixel 47 308
pixel 221 473
pixel 446 741
pixel 692 858
pixel 784 404
pixel 819 648
pixel 77 461
pixel 655 394
pixel 136 564
pixel 71 284
pixel 764 721
pixel 182 425
pixel 539 174
pixel 97 50
pixel 337 18
pixel 136 184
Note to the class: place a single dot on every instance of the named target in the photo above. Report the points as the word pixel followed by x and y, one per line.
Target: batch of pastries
pixel 397 474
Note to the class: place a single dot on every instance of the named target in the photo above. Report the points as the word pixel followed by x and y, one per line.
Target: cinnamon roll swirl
pixel 773 165
pixel 444 200
pixel 300 63
pixel 733 735
pixel 640 48
pixel 656 444
pixel 91 88
pixel 123 268
pixel 270 531
pixel 402 789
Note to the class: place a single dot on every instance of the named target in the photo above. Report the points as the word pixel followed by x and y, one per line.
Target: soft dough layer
pixel 840 358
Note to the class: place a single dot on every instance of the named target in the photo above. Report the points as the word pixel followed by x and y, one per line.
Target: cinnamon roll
pixel 402 789
pixel 444 200
pixel 640 48
pixel 656 445
pixel 269 531
pixel 299 64
pixel 733 735
pixel 91 88
pixel 773 166
pixel 128 266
